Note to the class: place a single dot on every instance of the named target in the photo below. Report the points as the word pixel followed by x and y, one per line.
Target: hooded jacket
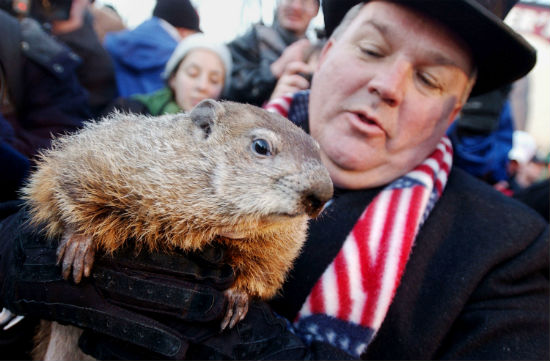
pixel 139 56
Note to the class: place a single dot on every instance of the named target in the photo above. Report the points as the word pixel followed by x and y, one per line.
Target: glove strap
pixel 128 327
pixel 185 300
pixel 41 291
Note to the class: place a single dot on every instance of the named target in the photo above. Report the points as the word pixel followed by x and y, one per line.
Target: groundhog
pixel 224 172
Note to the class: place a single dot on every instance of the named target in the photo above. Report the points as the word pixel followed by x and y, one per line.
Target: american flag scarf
pixel 348 303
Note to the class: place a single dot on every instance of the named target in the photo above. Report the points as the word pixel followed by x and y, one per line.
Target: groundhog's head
pixel 264 164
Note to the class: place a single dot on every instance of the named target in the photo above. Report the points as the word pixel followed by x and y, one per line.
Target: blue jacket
pixel 485 156
pixel 139 56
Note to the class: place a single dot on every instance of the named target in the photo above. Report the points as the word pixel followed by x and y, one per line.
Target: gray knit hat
pixel 199 41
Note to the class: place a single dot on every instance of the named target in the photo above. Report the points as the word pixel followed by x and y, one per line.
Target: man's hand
pixel 294 52
pixel 75 20
pixel 126 294
pixel 293 79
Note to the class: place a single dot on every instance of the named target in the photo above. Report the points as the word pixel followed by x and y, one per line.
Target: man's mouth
pixel 367 120
pixel 366 124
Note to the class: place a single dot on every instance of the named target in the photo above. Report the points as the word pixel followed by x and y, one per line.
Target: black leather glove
pixel 261 335
pixel 125 296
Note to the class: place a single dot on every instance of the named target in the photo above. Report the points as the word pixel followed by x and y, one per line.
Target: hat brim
pixel 500 54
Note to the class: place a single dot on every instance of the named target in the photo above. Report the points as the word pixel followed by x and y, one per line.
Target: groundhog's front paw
pixel 76 253
pixel 237 307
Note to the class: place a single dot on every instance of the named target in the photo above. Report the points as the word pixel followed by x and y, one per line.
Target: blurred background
pixel 222 19
pixel 226 19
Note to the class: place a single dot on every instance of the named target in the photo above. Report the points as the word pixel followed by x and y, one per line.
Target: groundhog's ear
pixel 205 114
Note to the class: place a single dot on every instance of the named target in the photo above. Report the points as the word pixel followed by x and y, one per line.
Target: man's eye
pixel 372 52
pixel 428 80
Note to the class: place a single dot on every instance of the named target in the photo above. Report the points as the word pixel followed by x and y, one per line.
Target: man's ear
pixel 454 114
pixel 205 115
pixel 328 45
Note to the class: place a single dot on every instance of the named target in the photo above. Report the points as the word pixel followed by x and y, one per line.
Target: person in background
pixel 96 72
pixel 526 182
pixel 412 259
pixel 487 146
pixel 140 55
pixel 262 54
pixel 15 166
pixel 482 135
pixel 297 75
pixel 198 69
pixel 40 97
pixel 524 150
pixel 106 20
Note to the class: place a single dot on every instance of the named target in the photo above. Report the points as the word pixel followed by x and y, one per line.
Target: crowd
pixel 436 242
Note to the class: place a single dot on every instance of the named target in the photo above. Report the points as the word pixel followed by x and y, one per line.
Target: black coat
pixel 253 53
pixel 475 287
pixel 96 73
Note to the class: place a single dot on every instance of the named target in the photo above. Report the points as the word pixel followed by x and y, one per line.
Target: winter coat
pixel 44 96
pixel 475 286
pixel 96 73
pixel 159 102
pixel 253 53
pixel 139 56
pixel 15 166
pixel 41 97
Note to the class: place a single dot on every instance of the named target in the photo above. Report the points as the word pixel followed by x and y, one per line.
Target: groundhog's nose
pixel 315 198
pixel 313 205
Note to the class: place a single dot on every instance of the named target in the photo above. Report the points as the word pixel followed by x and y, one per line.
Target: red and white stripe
pixel 279 105
pixel 360 283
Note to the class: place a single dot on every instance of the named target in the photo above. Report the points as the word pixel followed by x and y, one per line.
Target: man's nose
pixel 390 81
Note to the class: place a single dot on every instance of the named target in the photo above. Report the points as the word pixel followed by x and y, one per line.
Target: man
pixel 261 56
pixel 40 95
pixel 96 72
pixel 139 55
pixel 413 259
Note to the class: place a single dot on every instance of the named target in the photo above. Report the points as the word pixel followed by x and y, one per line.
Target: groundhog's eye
pixel 261 146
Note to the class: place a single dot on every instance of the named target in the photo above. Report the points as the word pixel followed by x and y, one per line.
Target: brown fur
pixel 184 180
pixel 55 342
pixel 40 339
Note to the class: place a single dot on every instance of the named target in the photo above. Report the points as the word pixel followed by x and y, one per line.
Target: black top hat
pixel 500 54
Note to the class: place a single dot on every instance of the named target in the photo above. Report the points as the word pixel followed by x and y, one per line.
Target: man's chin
pixel 353 176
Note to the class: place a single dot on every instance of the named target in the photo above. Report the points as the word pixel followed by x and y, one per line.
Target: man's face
pixel 295 15
pixel 384 94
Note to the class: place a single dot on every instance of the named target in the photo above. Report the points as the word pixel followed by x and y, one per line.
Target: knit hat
pixel 199 41
pixel 179 13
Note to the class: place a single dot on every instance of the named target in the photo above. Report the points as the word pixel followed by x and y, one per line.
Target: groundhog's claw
pixel 75 253
pixel 237 308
